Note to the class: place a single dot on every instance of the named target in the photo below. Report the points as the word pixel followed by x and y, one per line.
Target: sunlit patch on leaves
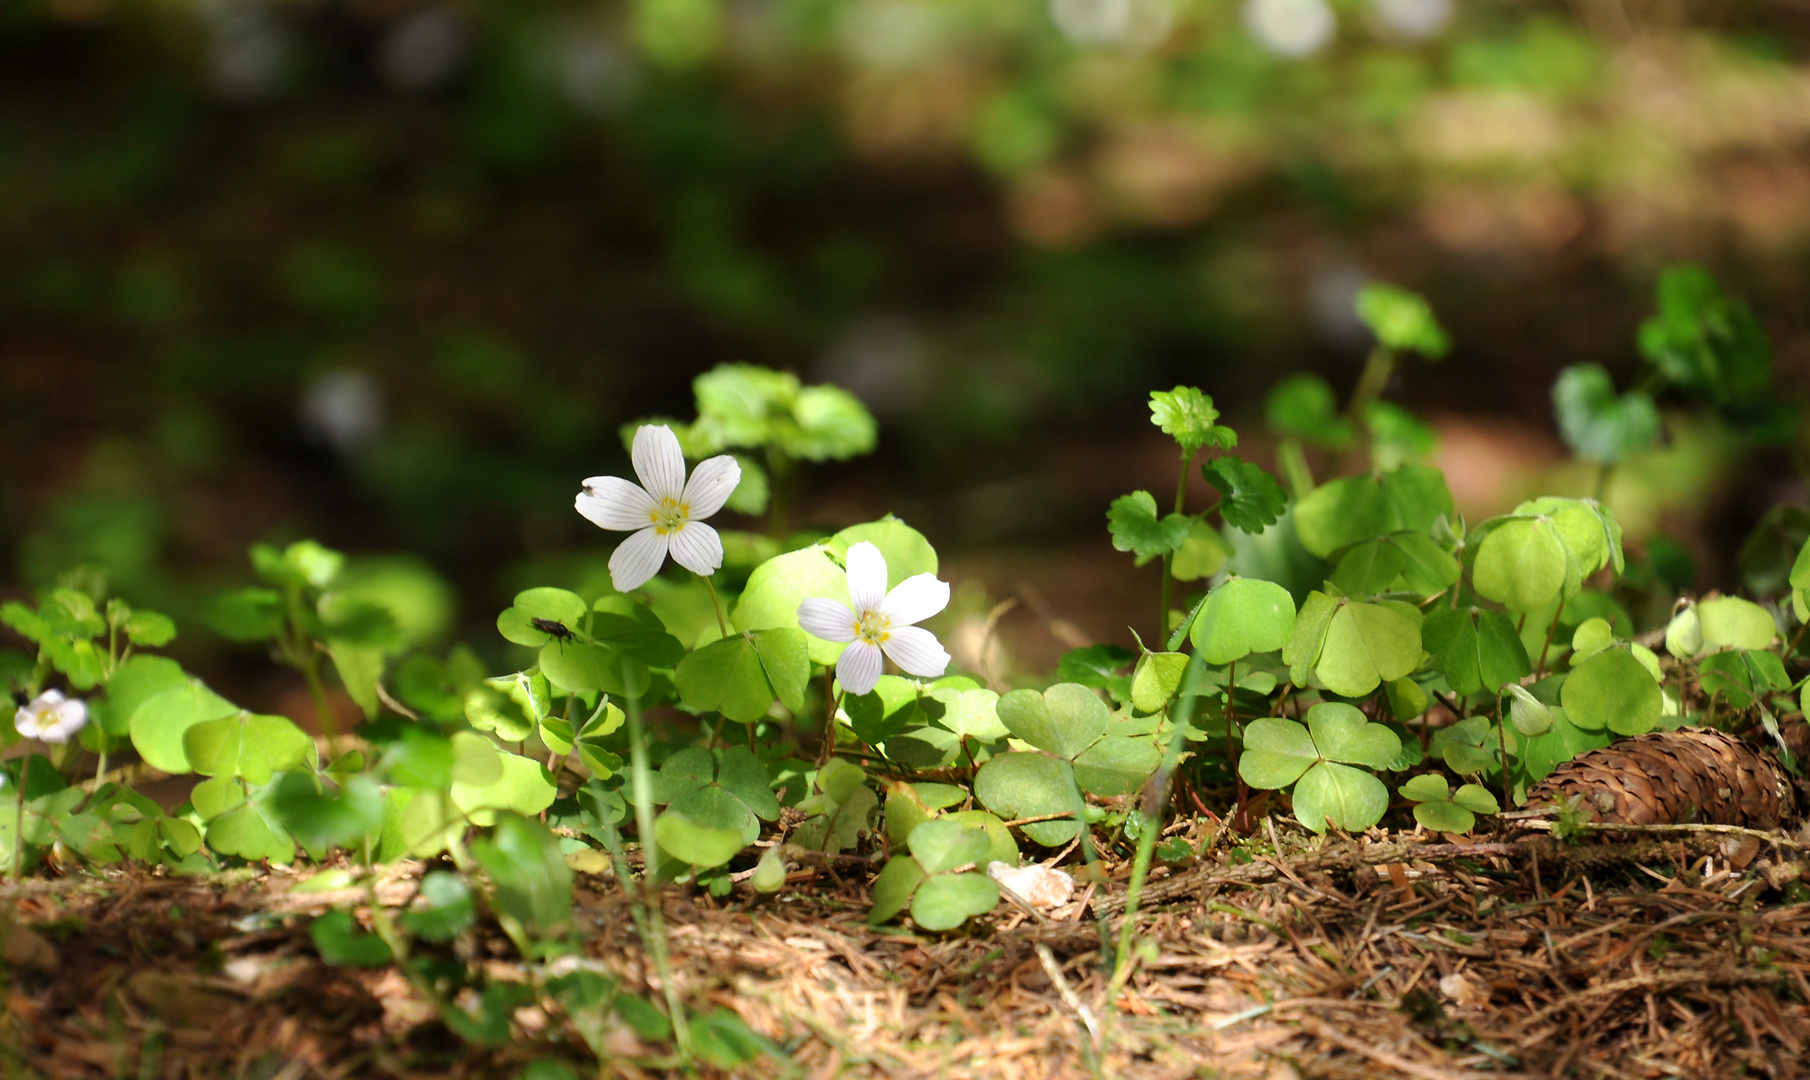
pixel 1188 416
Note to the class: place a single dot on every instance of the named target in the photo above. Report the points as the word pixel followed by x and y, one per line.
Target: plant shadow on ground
pixel 1423 968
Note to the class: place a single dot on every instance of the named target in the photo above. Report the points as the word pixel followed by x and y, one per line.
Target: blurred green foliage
pixel 394 274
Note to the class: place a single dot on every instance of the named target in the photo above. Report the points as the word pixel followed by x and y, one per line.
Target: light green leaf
pixel 524 786
pixel 1342 733
pixel 1401 320
pixel 905 549
pixel 1541 754
pixel 785 655
pixel 780 584
pixel 1309 639
pixel 1188 416
pixel 1614 690
pixel 1157 677
pixel 1527 713
pixel 1444 816
pixel 1729 622
pixel 1521 565
pixel 1029 784
pixel 552 605
pixel 726 676
pixel 698 844
pixel 1339 795
pixel 1276 753
pixel 158 725
pixel 246 745
pixel 893 888
pixel 943 844
pixel 972 714
pixel 948 900
pixel 1427 787
pixel 1116 766
pixel 1598 425
pixel 1064 720
pixel 1132 521
pixel 1477 799
pixel 1201 555
pixel 1243 616
pixel 1367 644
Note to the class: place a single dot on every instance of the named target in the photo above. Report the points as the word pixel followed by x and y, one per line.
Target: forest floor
pixel 1319 961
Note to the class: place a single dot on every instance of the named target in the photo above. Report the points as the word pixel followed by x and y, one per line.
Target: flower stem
pixel 779 497
pixel 1550 630
pixel 19 820
pixel 1377 369
pixel 721 623
pixel 829 731
pixel 1181 494
pixel 641 777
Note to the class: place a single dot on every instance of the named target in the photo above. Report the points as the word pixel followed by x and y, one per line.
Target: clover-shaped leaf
pixel 1250 499
pixel 1339 796
pixel 1598 425
pixel 246 745
pixel 939 899
pixel 1397 436
pixel 1401 320
pixel 1280 752
pixel 1030 785
pixel 780 584
pixel 1474 649
pixel 971 714
pixel 725 676
pixel 1064 720
pixel 1188 416
pixel 1243 616
pixel 1346 511
pixel 1612 689
pixel 1444 810
pixel 1098 666
pixel 1135 527
pixel 1469 747
pixel 1353 647
pixel 715 790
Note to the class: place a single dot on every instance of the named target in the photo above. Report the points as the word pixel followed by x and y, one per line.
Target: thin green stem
pixel 721 623
pixel 1502 740
pixel 1292 459
pixel 1181 717
pixel 1603 470
pixel 19 819
pixel 829 730
pixel 779 498
pixel 641 776
pixel 1181 496
pixel 1377 369
pixel 1550 630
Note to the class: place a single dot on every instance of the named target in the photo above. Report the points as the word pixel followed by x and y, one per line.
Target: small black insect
pixel 19 698
pixel 552 629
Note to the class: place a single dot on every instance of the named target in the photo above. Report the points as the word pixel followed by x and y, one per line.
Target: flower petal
pixel 26 720
pixel 866 577
pixel 859 669
pixel 610 502
pixel 697 548
pixel 917 598
pixel 710 486
pixel 637 559
pixel 828 619
pixel 659 462
pixel 916 651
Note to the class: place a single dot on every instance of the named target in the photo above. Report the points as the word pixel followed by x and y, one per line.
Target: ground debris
pixel 1493 963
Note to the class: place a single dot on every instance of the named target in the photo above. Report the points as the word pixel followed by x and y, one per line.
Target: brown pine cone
pixel 1675 777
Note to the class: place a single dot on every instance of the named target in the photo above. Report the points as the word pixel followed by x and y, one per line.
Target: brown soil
pixel 1427 968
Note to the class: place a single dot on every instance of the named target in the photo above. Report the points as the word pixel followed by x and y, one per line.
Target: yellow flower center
pixel 873 627
pixel 670 516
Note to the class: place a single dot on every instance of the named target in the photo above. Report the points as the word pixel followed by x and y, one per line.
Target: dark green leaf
pixel 1250 498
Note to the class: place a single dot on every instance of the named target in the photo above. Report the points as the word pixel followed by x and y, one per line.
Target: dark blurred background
pixel 391 273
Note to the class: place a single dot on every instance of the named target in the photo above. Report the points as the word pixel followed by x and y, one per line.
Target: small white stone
pixel 1038 885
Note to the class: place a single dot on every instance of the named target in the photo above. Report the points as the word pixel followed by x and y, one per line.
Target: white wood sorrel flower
pixel 881 622
pixel 51 717
pixel 665 511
